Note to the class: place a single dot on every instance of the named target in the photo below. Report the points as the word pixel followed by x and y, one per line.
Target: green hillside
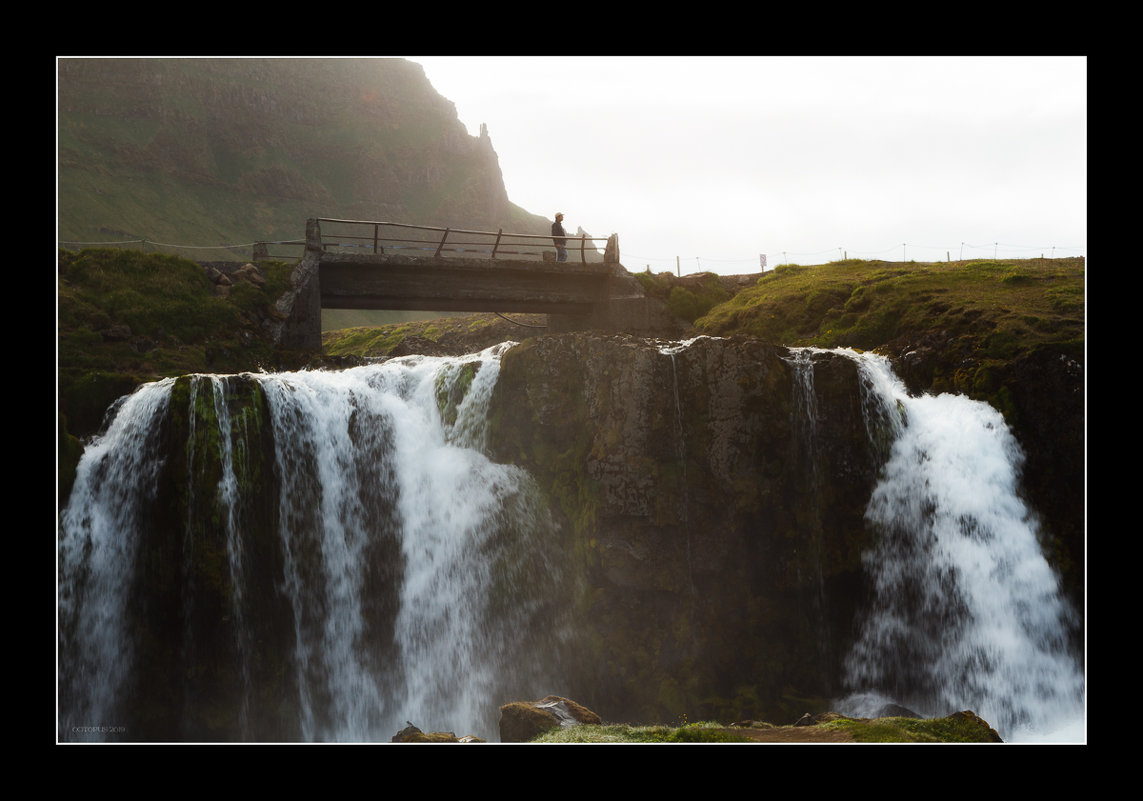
pixel 214 152
pixel 1001 306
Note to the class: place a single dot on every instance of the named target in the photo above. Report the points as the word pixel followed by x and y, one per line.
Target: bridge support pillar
pixel 301 305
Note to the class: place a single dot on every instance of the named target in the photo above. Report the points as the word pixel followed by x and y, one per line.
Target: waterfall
pixel 804 424
pixel 97 545
pixel 670 350
pixel 967 612
pixel 418 575
pixel 330 554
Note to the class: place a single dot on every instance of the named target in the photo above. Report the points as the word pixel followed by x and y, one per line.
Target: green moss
pixel 69 451
pixel 956 728
pixel 704 732
pixel 451 388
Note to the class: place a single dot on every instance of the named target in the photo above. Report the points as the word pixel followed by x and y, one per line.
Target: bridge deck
pixel 576 295
pixel 375 281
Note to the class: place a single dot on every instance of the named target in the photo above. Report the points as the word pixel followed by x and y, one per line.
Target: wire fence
pixel 292 249
pixel 282 249
pixel 903 252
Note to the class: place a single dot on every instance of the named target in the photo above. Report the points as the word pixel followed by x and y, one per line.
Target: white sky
pixel 715 160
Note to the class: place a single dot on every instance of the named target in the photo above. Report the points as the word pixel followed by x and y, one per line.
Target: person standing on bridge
pixel 559 237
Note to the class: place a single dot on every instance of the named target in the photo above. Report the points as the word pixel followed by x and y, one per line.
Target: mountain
pixel 219 151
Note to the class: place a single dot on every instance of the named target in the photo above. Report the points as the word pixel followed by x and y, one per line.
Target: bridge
pixel 358 264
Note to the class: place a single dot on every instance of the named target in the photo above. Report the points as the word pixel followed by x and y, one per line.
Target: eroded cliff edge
pixel 718 527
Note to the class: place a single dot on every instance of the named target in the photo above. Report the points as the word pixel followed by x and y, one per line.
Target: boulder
pixel 411 734
pixel 522 721
pixel 990 734
pixel 252 273
pixel 119 332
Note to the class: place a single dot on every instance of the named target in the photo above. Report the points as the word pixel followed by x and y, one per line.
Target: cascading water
pixel 417 573
pixel 805 424
pixel 680 443
pixel 376 567
pixel 109 498
pixel 967 613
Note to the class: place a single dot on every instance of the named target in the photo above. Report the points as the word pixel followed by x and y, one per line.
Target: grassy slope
pixel 125 317
pixel 1000 307
pixel 455 334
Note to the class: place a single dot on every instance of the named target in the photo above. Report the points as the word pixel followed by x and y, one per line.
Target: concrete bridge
pixel 390 266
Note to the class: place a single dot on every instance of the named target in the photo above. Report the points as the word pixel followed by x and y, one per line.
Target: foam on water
pixel 968 612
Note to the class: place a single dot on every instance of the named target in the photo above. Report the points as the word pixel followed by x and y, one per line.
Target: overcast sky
pixel 712 161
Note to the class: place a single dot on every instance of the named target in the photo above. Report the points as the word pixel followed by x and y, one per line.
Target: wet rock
pixel 692 483
pixel 522 721
pixel 411 734
pixel 971 717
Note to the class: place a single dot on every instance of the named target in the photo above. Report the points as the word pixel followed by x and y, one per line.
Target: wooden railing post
pixel 496 244
pixel 437 255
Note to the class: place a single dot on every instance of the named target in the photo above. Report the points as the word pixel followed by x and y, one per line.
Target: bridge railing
pixel 399 238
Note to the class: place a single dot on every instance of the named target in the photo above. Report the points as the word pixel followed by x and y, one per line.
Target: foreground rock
pixel 522 721
pixel 411 734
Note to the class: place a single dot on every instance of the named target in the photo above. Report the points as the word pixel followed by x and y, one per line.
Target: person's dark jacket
pixel 559 236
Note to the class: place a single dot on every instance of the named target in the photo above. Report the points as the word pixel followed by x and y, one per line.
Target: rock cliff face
pixel 715 496
pixel 248 149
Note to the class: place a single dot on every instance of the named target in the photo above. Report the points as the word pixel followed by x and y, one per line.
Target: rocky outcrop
pixel 717 527
pixel 411 734
pixel 523 721
pixel 224 275
pixel 973 720
pixel 360 138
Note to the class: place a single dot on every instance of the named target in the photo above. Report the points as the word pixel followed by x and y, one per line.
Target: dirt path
pixel 792 734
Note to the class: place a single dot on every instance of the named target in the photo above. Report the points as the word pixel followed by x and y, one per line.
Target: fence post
pixel 437 255
pixel 496 244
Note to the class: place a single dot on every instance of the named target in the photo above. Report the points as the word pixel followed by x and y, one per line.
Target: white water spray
pixel 968 613
pixel 98 541
pixel 384 493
